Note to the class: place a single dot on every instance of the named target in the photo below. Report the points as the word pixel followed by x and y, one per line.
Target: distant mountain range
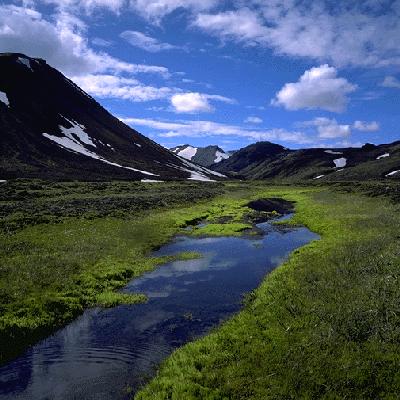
pixel 205 156
pixel 265 160
pixel 50 128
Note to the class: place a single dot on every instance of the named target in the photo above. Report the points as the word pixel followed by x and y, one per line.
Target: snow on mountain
pixel 219 156
pixel 188 152
pixel 4 98
pixel 340 162
pixel 205 156
pixel 56 130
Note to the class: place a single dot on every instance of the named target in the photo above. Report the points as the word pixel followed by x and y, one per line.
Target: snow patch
pixel 26 62
pixel 4 99
pixel 77 131
pixel 3 181
pixel 333 152
pixel 150 181
pixel 219 156
pixel 340 162
pixel 188 152
pixel 383 156
pixel 319 176
pixel 202 170
pixel 71 143
pixel 137 144
pixel 392 173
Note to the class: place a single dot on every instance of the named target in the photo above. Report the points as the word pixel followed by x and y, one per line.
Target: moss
pixel 323 325
pixel 112 299
pixel 228 229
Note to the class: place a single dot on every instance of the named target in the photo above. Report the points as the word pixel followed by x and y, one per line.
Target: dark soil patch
pixel 270 205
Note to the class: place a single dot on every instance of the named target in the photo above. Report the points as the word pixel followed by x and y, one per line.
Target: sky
pixel 302 74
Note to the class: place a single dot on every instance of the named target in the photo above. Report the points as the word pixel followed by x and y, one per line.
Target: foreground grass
pixel 57 259
pixel 326 324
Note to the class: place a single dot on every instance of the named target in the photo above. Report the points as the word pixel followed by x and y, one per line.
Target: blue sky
pixel 298 73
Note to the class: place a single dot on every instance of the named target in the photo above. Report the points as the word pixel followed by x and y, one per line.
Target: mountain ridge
pixel 265 160
pixel 205 156
pixel 51 128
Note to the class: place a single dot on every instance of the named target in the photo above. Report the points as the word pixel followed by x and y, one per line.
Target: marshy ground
pixel 323 325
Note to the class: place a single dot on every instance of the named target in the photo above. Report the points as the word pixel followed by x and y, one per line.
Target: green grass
pixel 113 299
pixel 53 267
pixel 228 229
pixel 326 324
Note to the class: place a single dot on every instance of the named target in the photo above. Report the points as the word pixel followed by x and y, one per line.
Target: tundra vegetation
pixel 323 325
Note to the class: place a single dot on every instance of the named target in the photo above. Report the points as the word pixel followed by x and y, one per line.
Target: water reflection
pixel 108 354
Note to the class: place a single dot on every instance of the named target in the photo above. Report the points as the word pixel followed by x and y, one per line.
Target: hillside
pixel 205 156
pixel 265 160
pixel 50 128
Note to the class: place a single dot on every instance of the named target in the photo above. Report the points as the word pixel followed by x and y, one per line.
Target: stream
pixel 111 353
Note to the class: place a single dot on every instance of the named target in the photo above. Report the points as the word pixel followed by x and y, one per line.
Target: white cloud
pixel 148 43
pixel 391 81
pixel 155 10
pixel 253 120
pixel 366 126
pixel 196 102
pixel 208 128
pixel 329 128
pixel 318 87
pixel 242 25
pixel 112 86
pixel 89 6
pixel 101 42
pixel 344 33
pixel 63 43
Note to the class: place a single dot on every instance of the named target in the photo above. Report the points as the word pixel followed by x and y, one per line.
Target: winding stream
pixel 110 353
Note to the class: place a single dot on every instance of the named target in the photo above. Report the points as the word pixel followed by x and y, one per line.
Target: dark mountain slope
pixel 264 161
pixel 50 128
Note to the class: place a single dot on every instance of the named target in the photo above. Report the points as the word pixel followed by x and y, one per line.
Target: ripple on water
pixel 106 353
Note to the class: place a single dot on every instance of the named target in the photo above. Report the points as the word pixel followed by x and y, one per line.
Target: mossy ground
pixel 323 325
pixel 68 246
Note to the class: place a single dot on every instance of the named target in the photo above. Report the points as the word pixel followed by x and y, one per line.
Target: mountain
pixel 265 160
pixel 205 156
pixel 50 128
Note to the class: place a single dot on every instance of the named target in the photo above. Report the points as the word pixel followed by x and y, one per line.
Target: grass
pixel 57 260
pixel 227 229
pixel 323 325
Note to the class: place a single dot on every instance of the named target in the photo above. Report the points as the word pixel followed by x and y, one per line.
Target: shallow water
pixel 110 353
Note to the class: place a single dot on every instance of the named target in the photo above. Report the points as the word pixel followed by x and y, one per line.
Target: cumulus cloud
pixel 144 42
pixel 366 126
pixel 62 43
pixel 391 81
pixel 253 120
pixel 346 33
pixel 112 86
pixel 196 102
pixel 329 128
pixel 241 25
pixel 318 87
pixel 172 129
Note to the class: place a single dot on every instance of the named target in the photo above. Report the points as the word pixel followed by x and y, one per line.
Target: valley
pixel 59 263
pixel 135 269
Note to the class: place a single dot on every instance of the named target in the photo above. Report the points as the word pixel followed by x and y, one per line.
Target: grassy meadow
pixel 326 324
pixel 323 325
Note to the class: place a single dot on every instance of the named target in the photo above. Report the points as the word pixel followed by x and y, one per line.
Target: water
pixel 110 353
